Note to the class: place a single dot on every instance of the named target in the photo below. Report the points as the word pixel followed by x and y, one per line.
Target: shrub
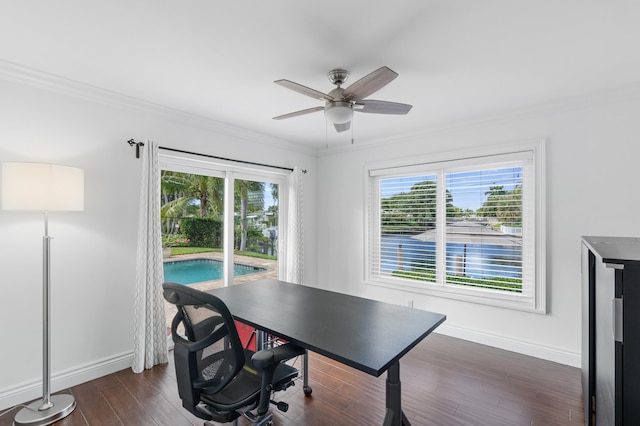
pixel 500 283
pixel 202 231
pixel 175 240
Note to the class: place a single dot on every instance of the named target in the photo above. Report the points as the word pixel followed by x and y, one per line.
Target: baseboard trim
pixel 28 391
pixel 550 354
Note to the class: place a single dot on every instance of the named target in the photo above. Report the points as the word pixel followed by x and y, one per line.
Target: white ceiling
pixel 457 59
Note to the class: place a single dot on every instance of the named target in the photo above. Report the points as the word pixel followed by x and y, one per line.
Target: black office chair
pixel 217 378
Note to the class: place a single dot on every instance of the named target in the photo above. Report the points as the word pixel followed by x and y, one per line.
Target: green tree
pixel 274 192
pixel 412 211
pixel 504 205
pixel 206 190
pixel 272 215
pixel 174 203
pixel 490 206
pixel 250 195
pixel 510 207
pixel 185 194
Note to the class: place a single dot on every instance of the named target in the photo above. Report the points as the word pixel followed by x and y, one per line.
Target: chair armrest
pixel 268 360
pixel 268 357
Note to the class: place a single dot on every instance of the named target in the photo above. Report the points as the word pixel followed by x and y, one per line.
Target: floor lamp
pixel 43 187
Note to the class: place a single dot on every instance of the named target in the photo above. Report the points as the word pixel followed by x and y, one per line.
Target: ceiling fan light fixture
pixel 338 112
pixel 340 103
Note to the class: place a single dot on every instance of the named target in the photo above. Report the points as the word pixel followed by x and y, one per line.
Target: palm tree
pixel 174 202
pixel 490 206
pixel 506 206
pixel 495 191
pixel 510 209
pixel 249 194
pixel 204 189
pixel 274 192
pixel 184 194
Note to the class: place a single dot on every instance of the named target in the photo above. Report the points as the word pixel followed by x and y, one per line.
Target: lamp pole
pixel 51 408
pixel 43 187
pixel 46 316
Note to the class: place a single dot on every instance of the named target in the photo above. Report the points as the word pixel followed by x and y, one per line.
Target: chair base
pixel 30 415
pixel 265 421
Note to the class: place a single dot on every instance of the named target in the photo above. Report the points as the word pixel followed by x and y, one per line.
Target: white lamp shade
pixel 42 187
pixel 338 112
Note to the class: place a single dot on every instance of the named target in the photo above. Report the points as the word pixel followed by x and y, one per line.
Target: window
pixel 466 227
pixel 222 223
pixel 227 208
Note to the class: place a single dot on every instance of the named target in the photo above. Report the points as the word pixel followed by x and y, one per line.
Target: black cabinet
pixel 611 330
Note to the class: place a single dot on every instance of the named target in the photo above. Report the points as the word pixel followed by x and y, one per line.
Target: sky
pixel 467 188
pixel 268 199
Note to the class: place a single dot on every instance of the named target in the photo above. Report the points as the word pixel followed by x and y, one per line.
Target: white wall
pixel 593 169
pixel 93 252
pixel 593 150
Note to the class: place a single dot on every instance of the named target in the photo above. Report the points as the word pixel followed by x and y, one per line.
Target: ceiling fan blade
pixel 297 113
pixel 304 90
pixel 381 107
pixel 370 83
pixel 342 127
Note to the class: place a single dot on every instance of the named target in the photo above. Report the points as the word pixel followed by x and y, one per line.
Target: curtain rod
pixel 131 142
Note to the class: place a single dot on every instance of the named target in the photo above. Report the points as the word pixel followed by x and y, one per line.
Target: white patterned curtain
pixel 150 328
pixel 294 272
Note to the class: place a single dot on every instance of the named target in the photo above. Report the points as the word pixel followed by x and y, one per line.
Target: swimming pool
pixel 197 270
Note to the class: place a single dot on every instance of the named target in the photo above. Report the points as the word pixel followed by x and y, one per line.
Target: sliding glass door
pixel 220 225
pixel 194 217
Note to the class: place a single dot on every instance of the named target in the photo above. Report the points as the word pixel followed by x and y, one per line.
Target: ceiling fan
pixel 340 103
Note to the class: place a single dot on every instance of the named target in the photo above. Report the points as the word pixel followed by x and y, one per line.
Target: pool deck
pixel 270 266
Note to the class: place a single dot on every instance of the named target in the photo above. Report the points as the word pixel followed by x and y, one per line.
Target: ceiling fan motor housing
pixel 338 76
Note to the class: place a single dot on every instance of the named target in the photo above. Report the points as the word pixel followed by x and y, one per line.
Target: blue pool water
pixel 501 261
pixel 197 270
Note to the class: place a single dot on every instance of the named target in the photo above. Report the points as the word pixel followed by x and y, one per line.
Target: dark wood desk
pixel 365 334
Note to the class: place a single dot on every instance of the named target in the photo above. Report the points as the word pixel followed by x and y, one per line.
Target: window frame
pixel 230 171
pixel 535 300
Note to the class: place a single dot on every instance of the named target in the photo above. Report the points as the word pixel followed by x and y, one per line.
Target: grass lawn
pixel 192 250
pixel 498 283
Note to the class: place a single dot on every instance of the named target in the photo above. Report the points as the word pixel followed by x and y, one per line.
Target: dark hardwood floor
pixel 445 381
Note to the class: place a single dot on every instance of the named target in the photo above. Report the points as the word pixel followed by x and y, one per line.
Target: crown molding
pixel 23 75
pixel 625 93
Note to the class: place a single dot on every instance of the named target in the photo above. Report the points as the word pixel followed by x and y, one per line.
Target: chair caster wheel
pixel 307 390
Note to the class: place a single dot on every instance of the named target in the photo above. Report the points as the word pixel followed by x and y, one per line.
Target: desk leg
pixel 305 374
pixel 395 416
pixel 261 342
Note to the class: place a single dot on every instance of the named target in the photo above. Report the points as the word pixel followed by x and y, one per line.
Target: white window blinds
pixel 462 227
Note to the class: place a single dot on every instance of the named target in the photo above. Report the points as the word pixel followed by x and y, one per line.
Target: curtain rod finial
pixel 132 142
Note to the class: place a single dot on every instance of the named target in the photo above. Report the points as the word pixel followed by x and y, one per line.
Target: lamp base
pixel 63 405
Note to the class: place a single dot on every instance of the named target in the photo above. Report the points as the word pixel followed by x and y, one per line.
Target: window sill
pixel 471 295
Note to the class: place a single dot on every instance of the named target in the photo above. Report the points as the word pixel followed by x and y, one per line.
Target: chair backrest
pixel 209 354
